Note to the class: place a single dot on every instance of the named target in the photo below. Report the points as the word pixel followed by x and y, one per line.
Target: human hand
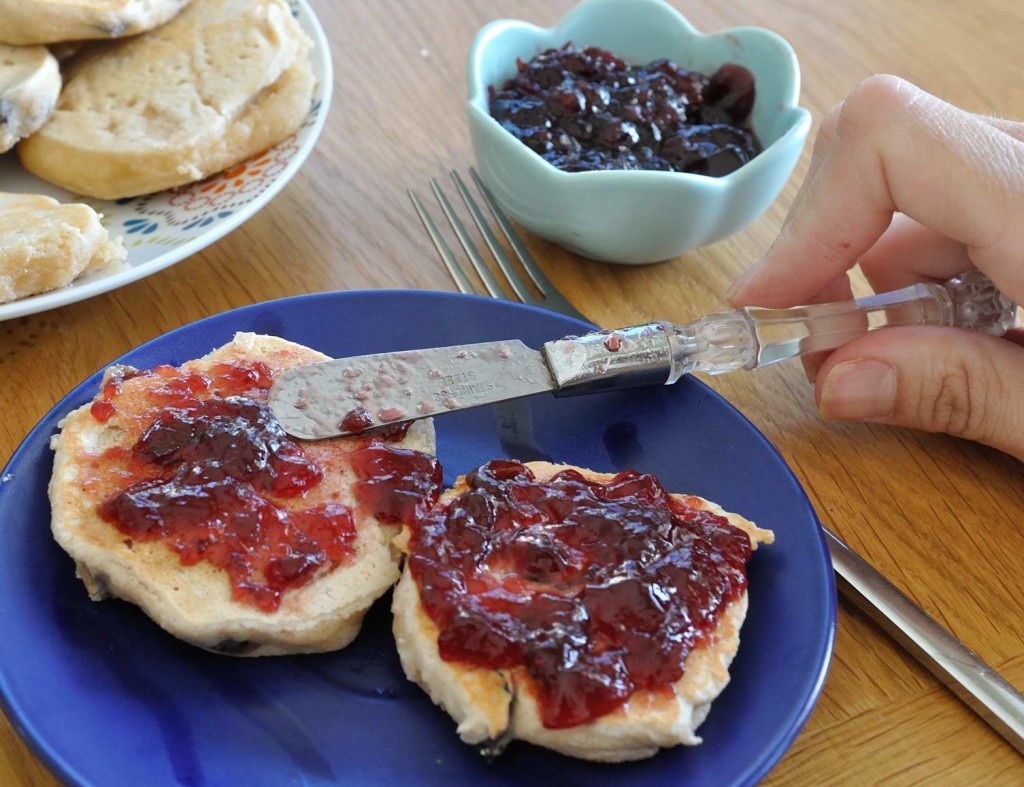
pixel 913 189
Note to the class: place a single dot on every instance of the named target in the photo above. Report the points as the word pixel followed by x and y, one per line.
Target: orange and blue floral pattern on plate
pixel 199 205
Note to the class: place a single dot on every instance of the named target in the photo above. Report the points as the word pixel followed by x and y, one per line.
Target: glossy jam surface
pixel 396 485
pixel 356 420
pixel 586 109
pixel 214 476
pixel 598 590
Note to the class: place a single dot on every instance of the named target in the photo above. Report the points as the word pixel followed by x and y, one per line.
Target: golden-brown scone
pixel 45 245
pixel 195 602
pixel 499 705
pixel 223 81
pixel 29 86
pixel 50 21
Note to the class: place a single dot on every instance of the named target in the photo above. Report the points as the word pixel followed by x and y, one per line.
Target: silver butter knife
pixel 350 395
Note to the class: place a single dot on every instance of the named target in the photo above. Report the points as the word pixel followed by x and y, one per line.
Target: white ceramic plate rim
pixel 80 290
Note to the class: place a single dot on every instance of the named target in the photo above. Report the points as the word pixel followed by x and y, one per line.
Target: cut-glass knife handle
pixel 752 337
pixel 661 352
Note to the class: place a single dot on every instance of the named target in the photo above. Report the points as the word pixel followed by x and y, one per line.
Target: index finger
pixel 898 148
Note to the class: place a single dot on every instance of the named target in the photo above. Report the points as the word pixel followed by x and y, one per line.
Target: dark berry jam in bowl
pixel 586 110
pixel 614 198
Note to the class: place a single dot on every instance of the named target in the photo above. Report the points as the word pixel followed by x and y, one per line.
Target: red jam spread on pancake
pixel 396 485
pixel 213 475
pixel 598 590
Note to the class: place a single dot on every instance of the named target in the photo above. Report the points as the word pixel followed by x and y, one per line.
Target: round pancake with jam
pixel 176 489
pixel 592 614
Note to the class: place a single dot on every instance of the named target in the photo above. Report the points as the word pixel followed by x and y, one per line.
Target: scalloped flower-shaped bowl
pixel 637 216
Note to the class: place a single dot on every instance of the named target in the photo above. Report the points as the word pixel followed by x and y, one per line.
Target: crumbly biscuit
pixel 498 705
pixel 51 21
pixel 195 602
pixel 29 86
pixel 222 82
pixel 45 245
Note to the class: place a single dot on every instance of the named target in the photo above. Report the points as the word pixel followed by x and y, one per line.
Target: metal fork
pixel 952 662
pixel 550 298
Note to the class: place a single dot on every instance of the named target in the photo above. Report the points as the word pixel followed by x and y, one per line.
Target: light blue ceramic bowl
pixel 637 216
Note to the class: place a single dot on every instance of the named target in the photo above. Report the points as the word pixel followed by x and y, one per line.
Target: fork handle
pixel 748 338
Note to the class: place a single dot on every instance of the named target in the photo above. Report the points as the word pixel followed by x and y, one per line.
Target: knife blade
pixel 350 395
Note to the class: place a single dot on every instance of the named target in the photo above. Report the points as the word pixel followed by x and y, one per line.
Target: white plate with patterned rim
pixel 164 228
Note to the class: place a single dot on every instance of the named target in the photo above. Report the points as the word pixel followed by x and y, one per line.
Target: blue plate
pixel 104 697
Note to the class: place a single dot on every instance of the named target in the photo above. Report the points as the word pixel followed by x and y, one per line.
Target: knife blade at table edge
pixel 962 671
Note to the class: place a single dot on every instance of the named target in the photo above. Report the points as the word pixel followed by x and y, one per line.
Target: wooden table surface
pixel 940 517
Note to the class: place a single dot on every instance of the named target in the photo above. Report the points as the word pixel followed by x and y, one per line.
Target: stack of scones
pixel 155 94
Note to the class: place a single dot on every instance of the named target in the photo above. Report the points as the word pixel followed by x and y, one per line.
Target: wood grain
pixel 941 517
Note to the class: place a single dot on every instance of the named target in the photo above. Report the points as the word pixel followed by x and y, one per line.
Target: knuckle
pixel 954 401
pixel 1012 128
pixel 876 100
pixel 949 406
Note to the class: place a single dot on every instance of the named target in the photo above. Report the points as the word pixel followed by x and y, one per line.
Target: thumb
pixel 937 379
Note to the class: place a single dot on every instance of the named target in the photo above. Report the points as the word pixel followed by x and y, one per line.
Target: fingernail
pixel 858 391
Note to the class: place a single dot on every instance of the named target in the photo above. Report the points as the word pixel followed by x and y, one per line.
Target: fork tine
pixel 457 274
pixel 554 300
pixel 514 280
pixel 531 268
pixel 477 261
